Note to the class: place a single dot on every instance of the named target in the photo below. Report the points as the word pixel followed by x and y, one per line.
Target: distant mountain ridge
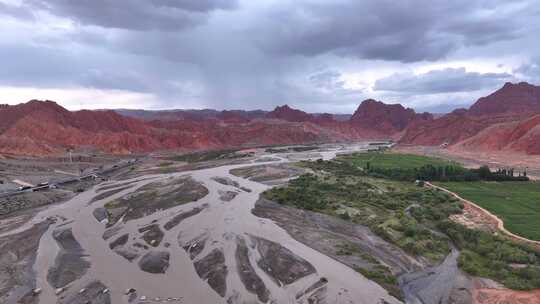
pixel 511 104
pixel 193 114
pixel 189 114
pixel 380 116
pixel 506 120
pixel 44 128
pixel 511 98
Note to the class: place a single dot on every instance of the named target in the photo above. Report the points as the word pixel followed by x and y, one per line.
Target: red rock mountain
pixel 511 98
pixel 195 115
pixel 288 114
pixel 507 120
pixel 520 136
pixel 450 128
pixel 45 128
pixel 487 124
pixel 389 119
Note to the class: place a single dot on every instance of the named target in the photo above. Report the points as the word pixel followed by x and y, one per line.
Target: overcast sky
pixel 319 56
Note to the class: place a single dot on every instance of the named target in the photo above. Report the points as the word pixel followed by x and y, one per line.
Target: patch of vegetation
pixel 515 265
pixel 374 271
pixel 352 249
pixel 416 218
pixel 276 150
pixel 389 160
pixel 382 276
pixel 385 206
pixel 209 155
pixel 407 167
pixel 516 203
pixel 291 149
pixel 304 148
pixel 165 164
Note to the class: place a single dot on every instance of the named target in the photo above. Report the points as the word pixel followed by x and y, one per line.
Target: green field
pixel 390 160
pixel 516 203
pixel 416 219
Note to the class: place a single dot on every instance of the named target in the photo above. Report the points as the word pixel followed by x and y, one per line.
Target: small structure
pixel 419 183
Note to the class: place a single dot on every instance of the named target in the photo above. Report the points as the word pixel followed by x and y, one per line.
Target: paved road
pixel 22 183
pixel 46 186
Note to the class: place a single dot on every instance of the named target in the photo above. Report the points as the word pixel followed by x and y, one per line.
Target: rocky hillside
pixel 520 136
pixel 196 115
pixel 481 127
pixel 288 114
pixel 505 120
pixel 372 114
pixel 511 98
pixel 45 128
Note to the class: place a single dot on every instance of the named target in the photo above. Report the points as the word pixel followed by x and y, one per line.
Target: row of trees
pixel 445 173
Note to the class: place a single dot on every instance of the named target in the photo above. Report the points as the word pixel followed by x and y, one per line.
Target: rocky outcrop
pixel 522 136
pixel 511 98
pixel 385 118
pixel 450 128
pixel 289 114
pixel 504 120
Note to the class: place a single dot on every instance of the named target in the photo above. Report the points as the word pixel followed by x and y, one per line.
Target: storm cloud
pixel 530 71
pixel 166 15
pixel 440 81
pixel 406 31
pixel 324 56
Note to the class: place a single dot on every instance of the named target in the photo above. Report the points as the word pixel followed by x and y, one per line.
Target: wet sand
pixel 17 256
pixel 188 278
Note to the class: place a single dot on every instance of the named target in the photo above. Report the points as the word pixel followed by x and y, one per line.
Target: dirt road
pixel 499 223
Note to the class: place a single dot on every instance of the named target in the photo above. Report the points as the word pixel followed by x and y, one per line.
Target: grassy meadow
pixel 390 160
pixel 516 203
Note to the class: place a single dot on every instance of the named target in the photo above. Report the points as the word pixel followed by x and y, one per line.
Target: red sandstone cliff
pixel 484 125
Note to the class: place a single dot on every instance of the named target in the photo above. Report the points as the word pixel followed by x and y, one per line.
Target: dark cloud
pixel 441 81
pixel 166 15
pixel 196 6
pixel 530 71
pixel 259 54
pixel 27 65
pixel 45 67
pixel 15 11
pixel 404 31
pixel 482 31
pixel 331 82
pixel 444 107
pixel 328 80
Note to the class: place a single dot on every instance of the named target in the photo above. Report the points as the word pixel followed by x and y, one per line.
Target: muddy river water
pixel 223 225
